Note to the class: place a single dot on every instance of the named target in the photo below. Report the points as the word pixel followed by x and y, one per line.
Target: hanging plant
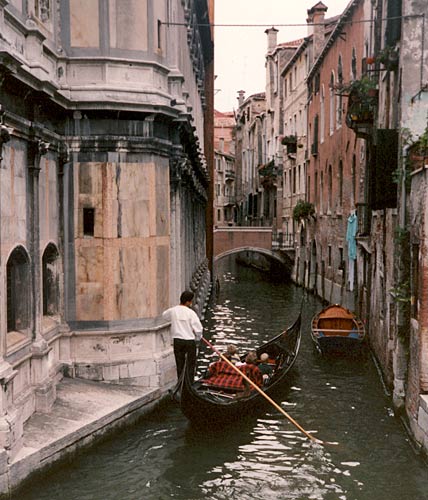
pixel 303 210
pixel 289 139
pixel 360 88
pixel 418 152
pixel 362 101
pixel 389 57
pixel 268 170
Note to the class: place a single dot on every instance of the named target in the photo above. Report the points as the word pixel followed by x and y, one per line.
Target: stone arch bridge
pixel 244 239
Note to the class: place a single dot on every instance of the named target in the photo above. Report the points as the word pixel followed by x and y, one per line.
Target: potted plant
pixel 362 100
pixel 389 57
pixel 268 170
pixel 419 151
pixel 362 87
pixel 289 139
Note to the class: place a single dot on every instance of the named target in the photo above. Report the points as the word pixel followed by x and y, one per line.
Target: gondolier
pixel 186 330
pixel 203 402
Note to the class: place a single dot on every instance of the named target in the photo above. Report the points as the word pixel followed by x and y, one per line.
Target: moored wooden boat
pixel 336 329
pixel 201 403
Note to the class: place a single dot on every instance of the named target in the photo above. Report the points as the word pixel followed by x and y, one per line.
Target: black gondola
pixel 200 403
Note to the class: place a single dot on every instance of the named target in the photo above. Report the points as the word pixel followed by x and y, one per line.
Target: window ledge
pixel 16 341
pixel 50 326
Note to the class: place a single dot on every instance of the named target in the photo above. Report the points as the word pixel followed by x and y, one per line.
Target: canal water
pixel 265 456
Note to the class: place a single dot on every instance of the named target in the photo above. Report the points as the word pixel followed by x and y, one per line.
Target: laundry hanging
pixel 351 234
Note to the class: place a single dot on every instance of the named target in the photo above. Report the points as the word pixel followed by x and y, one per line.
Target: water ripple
pixel 265 458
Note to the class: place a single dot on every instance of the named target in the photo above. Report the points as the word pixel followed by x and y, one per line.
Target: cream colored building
pixel 225 210
pixel 104 187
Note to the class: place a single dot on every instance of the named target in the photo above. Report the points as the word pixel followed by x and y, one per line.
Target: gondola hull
pixel 336 330
pixel 201 405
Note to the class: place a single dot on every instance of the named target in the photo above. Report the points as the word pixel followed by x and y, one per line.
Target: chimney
pixel 316 17
pixel 241 97
pixel 272 38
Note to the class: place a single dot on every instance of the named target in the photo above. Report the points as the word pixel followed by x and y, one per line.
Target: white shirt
pixel 185 323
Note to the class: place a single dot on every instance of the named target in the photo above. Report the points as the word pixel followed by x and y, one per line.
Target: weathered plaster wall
pixel 383 330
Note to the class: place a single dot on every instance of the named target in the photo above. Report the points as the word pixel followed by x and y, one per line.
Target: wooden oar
pixel 271 401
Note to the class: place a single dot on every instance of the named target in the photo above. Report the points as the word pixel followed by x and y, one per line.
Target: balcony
pixel 229 174
pixel 229 200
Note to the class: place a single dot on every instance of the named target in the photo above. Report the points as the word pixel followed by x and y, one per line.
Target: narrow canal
pixel 263 457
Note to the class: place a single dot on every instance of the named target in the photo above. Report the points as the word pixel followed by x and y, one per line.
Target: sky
pixel 240 51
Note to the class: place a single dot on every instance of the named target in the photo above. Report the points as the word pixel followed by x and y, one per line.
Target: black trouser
pixel 183 348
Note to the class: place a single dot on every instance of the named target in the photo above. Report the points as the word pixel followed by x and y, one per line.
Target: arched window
pixel 18 291
pixel 330 189
pixel 316 200
pixel 354 179
pixel 50 275
pixel 322 115
pixel 322 193
pixel 339 97
pixel 340 183
pixel 353 65
pixel 332 103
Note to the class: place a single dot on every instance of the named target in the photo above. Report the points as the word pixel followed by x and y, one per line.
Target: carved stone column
pixel 45 392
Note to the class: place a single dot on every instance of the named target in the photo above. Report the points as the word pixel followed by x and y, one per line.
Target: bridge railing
pixel 281 241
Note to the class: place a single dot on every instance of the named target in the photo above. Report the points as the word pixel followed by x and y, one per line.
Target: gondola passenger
pixel 223 376
pixel 232 354
pixel 265 367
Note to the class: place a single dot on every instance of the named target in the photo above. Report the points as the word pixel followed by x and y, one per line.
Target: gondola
pixel 336 330
pixel 201 403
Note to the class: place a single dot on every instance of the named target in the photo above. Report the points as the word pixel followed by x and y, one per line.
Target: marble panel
pixel 128 24
pixel 162 278
pixel 84 23
pixel 111 372
pixel 6 198
pixel 20 186
pixel 134 181
pixel 129 346
pixel 90 264
pixel 91 178
pixel 78 74
pixel 89 302
pixel 22 381
pixel 129 74
pixel 123 371
pixel 162 201
pixel 21 229
pixel 20 207
pixel 134 299
pixel 144 368
pixel 135 219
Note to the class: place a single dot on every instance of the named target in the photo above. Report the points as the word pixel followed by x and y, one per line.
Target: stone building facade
pixel 272 169
pixel 250 153
pixel 335 159
pixel 104 191
pixel 225 210
pixel 364 158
